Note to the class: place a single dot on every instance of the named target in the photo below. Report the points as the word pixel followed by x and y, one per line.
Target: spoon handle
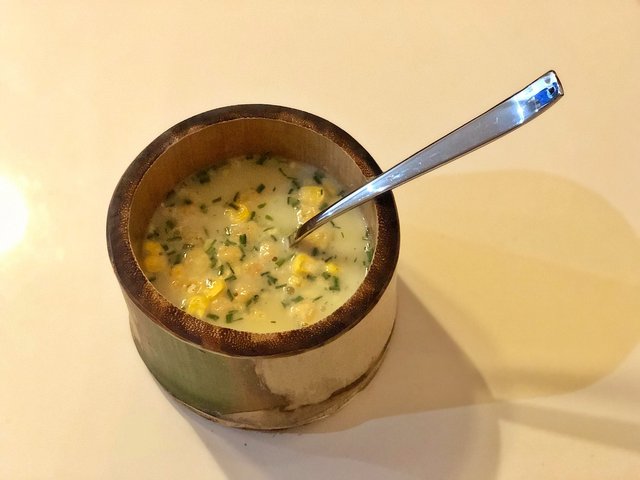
pixel 501 119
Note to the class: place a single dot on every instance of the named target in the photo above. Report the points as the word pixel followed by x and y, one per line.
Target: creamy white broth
pixel 216 246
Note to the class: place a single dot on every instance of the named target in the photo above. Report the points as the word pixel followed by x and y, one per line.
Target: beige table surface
pixel 516 353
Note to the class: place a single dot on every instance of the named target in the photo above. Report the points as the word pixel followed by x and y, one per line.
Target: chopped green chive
pixel 216 200
pixel 212 316
pixel 260 188
pixel 203 177
pixel 253 299
pixel 243 239
pixel 285 175
pixel 369 255
pixel 262 205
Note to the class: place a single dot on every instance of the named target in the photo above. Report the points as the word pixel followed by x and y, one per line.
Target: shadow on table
pixel 423 370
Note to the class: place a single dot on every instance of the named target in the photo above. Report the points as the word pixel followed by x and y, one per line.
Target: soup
pixel 217 246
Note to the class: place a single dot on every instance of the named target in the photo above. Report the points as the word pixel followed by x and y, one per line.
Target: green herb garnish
pixel 203 176
pixel 294 202
pixel 263 158
pixel 285 175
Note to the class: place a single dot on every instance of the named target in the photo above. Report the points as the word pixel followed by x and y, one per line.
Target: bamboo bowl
pixel 250 380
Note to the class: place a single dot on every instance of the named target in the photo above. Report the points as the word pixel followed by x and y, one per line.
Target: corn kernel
pixel 331 268
pixel 151 247
pixel 311 195
pixel 217 287
pixel 177 272
pixel 229 253
pixel 240 215
pixel 320 238
pixel 154 263
pixel 302 264
pixel 197 306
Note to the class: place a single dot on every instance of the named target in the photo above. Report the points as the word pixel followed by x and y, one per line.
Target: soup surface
pixel 216 246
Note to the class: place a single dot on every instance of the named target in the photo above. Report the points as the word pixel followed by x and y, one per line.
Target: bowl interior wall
pixel 213 144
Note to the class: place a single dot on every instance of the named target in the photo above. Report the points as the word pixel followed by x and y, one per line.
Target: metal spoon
pixel 500 120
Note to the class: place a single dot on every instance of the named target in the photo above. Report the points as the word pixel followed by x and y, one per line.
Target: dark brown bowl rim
pixel 233 342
